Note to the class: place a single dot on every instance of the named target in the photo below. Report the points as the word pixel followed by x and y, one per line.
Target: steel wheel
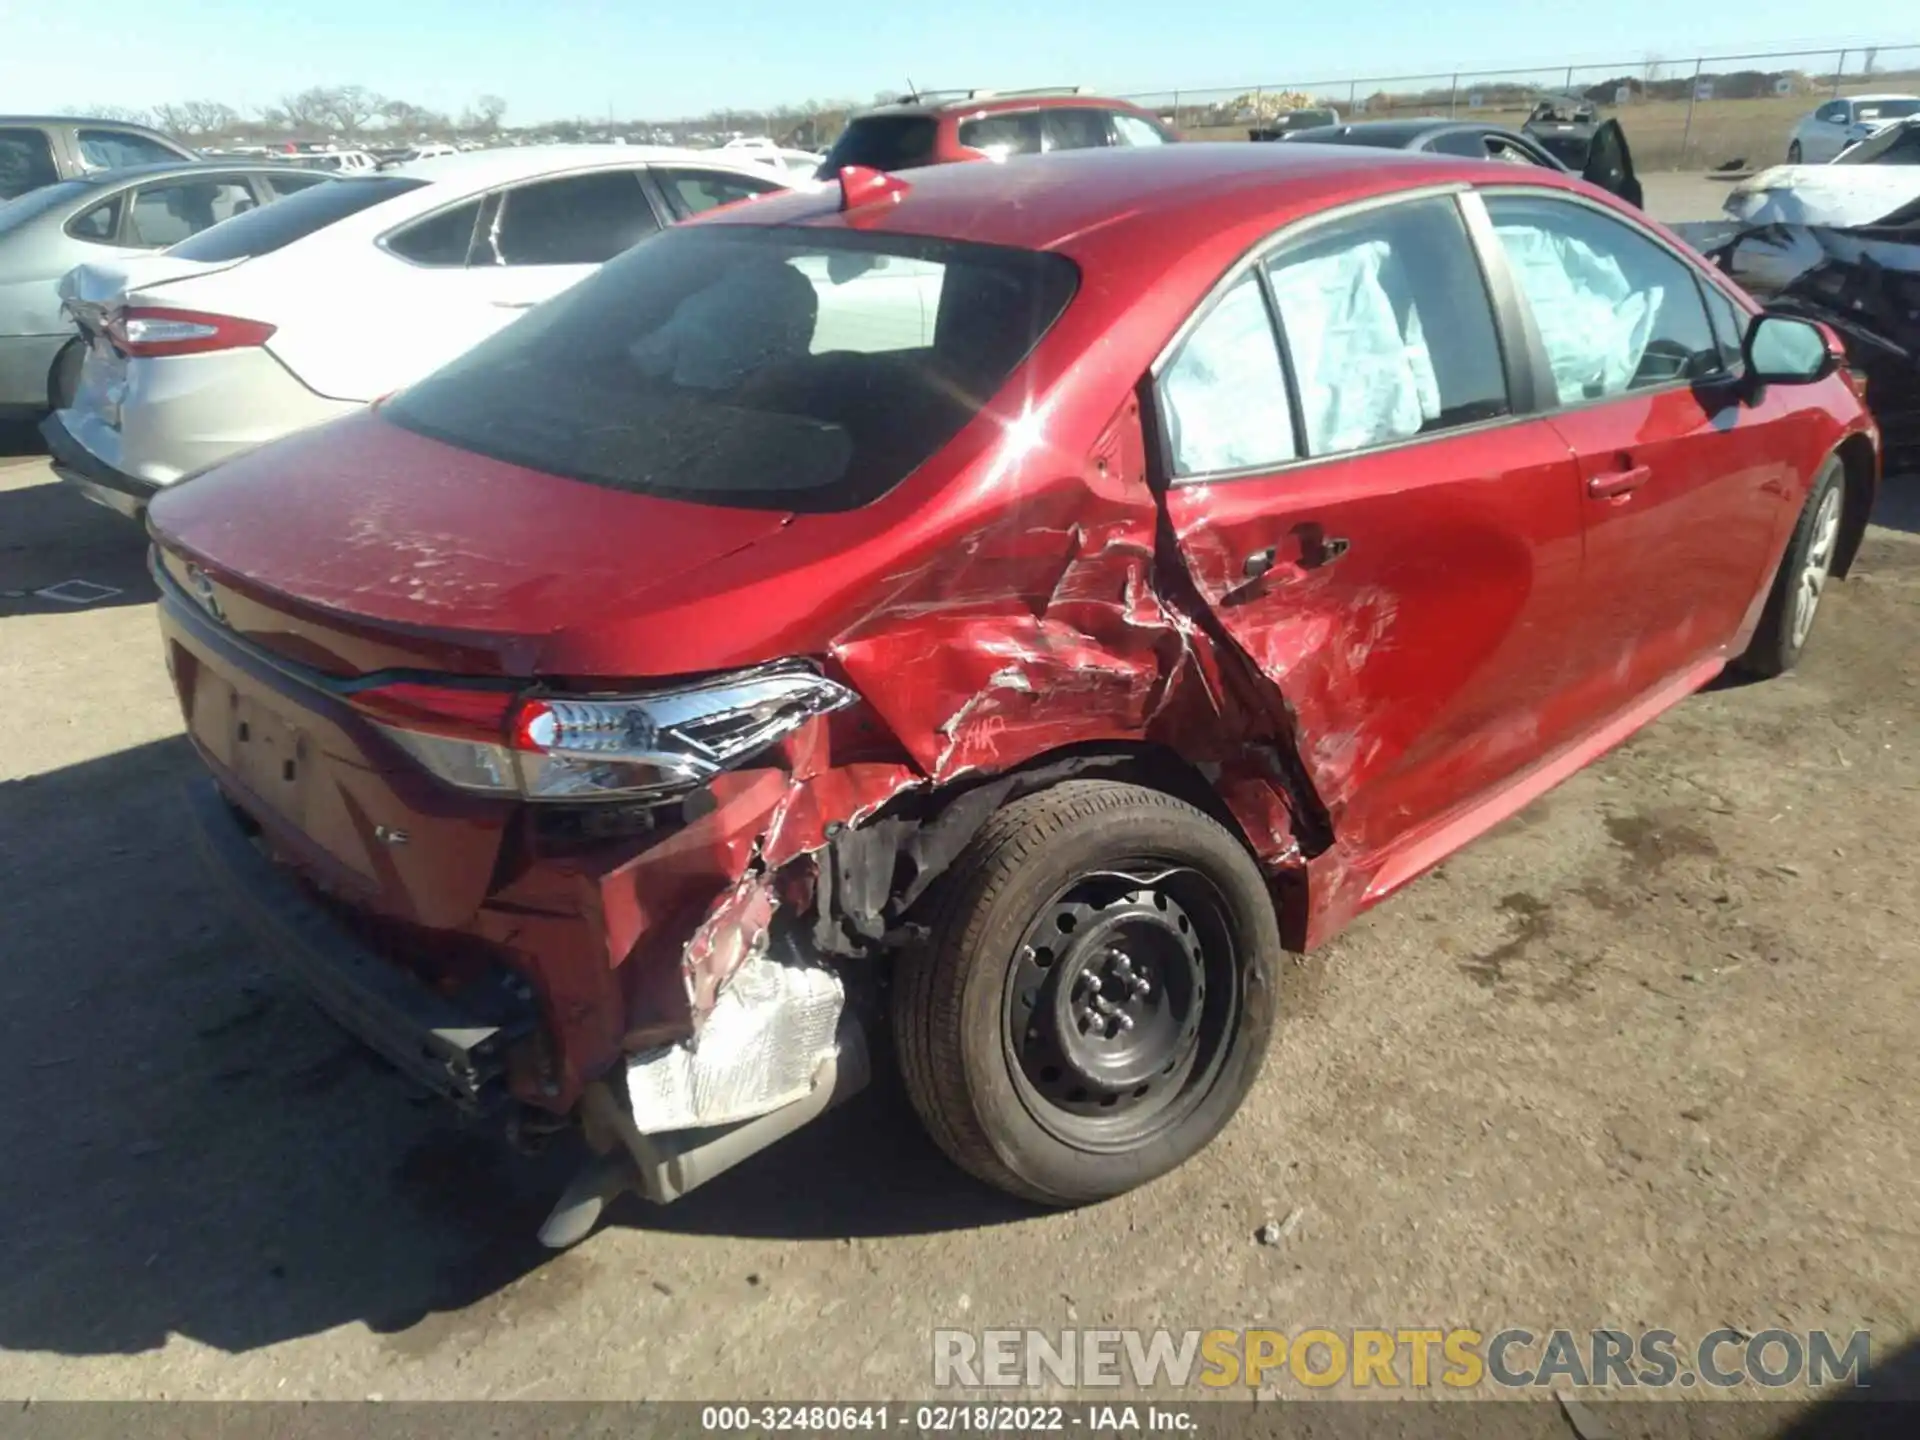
pixel 1816 568
pixel 1117 1002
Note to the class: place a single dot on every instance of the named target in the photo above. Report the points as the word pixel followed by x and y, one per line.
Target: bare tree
pixel 307 111
pixel 403 117
pixel 348 108
pixel 127 114
pixel 191 118
pixel 1654 70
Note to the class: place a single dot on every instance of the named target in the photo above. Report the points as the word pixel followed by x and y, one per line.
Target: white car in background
pixel 313 307
pixel 794 165
pixel 1845 121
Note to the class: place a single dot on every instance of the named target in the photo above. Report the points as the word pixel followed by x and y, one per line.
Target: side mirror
pixel 1782 350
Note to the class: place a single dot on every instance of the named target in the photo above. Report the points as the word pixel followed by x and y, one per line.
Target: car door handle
pixel 1618 482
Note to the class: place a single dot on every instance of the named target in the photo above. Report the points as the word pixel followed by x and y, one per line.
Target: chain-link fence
pixel 1680 114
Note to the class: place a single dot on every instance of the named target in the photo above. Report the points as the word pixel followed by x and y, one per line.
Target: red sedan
pixel 1009 605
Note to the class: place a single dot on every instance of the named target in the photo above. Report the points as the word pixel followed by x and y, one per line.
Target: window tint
pixel 102 222
pixel 1388 328
pixel 577 220
pixel 694 366
pixel 1066 129
pixel 26 162
pixel 883 142
pixel 1832 110
pixel 291 182
pixel 1467 143
pixel 1729 325
pixel 268 228
pixel 1003 135
pixel 440 239
pixel 111 149
pixel 168 213
pixel 1224 397
pixel 1501 148
pixel 1132 130
pixel 693 191
pixel 1615 311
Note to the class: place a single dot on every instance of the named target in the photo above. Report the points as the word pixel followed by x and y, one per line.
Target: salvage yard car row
pixel 1001 606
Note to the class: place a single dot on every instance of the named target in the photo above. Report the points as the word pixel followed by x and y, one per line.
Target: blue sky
pixel 559 58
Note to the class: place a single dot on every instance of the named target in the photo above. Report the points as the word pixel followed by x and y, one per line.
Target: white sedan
pixel 310 308
pixel 1845 121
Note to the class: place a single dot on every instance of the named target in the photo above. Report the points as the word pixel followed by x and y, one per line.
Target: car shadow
pixel 52 536
pixel 1898 507
pixel 20 439
pixel 193 1150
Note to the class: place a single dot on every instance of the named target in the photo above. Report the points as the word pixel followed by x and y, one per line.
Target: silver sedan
pixel 46 232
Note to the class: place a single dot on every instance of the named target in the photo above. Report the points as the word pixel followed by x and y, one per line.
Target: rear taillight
pixel 150 332
pixel 599 747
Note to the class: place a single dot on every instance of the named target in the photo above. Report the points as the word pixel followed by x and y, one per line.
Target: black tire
pixel 63 378
pixel 1794 153
pixel 1782 633
pixel 968 1011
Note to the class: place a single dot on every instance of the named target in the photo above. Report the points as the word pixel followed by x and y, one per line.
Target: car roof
pixel 1387 133
pixel 1161 202
pixel 980 102
pixel 154 169
pixel 482 169
pixel 87 120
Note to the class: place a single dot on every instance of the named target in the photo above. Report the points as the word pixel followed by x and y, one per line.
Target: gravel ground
pixel 1642 1057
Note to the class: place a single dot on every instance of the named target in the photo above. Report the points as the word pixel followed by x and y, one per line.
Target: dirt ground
pixel 1642 1057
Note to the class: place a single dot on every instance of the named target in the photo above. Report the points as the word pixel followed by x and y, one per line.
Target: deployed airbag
pixel 1594 325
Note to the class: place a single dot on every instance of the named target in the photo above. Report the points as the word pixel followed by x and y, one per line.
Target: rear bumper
pixel 455 1046
pixel 92 476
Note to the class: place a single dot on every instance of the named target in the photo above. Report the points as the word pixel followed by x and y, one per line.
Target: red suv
pixel 938 127
pixel 1009 607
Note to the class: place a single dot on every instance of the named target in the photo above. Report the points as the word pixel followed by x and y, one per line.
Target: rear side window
pixel 112 149
pixel 26 162
pixel 270 227
pixel 169 212
pixel 768 368
pixel 1067 129
pixel 693 191
pixel 576 220
pixel 1615 311
pixel 1387 328
pixel 101 223
pixel 1224 397
pixel 1132 130
pixel 440 240
pixel 1003 135
pixel 883 142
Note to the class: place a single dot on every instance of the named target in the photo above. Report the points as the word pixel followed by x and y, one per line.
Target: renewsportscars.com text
pixel 1409 1358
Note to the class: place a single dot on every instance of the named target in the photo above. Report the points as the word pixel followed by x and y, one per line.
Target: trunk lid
pixel 359 546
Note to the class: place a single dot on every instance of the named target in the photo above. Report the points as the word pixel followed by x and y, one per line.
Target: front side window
pixel 1223 398
pixel 1132 130
pixel 1834 112
pixel 693 191
pixel 1013 133
pixel 1387 328
pixel 1067 129
pixel 575 220
pixel 761 367
pixel 112 149
pixel 170 212
pixel 1615 311
pixel 26 162
pixel 1729 325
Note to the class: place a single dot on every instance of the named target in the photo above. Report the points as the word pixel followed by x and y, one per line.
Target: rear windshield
pixel 766 368
pixel 262 231
pixel 15 213
pixel 883 142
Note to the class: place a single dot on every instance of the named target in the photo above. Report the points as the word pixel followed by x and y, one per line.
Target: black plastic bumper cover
pixel 455 1049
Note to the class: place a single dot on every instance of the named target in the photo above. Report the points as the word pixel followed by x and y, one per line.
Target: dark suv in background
pixel 38 150
pixel 937 127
